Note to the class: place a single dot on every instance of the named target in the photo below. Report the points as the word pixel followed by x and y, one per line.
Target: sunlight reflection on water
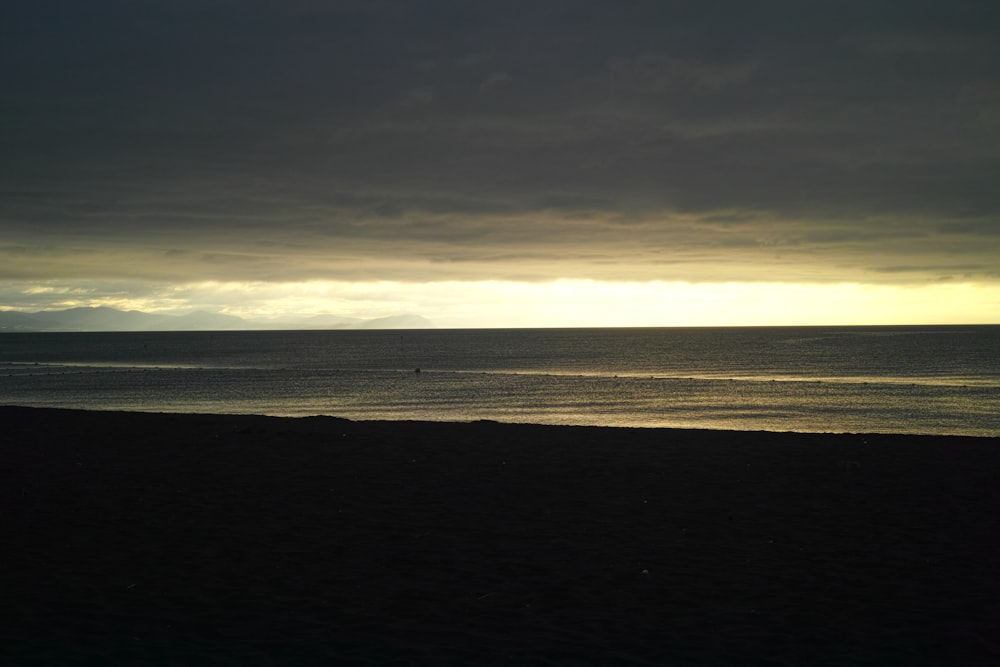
pixel 732 379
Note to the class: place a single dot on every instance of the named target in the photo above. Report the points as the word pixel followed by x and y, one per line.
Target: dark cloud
pixel 251 140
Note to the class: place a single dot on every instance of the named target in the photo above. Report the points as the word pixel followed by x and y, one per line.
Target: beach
pixel 181 539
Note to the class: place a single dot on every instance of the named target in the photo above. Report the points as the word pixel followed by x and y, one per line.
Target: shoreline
pixel 498 422
pixel 169 538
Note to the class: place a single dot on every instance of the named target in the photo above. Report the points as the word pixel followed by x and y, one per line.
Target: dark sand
pixel 217 540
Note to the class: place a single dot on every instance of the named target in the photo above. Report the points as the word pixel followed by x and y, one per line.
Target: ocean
pixel 912 379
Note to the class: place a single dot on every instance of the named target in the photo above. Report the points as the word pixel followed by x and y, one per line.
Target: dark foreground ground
pixel 153 539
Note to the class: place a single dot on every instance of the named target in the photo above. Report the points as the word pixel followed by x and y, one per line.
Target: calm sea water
pixel 943 380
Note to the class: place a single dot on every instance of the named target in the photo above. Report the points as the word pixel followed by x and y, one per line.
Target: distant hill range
pixel 112 319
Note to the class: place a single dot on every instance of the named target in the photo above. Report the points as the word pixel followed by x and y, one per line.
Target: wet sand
pixel 232 540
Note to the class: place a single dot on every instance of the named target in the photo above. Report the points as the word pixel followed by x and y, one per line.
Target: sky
pixel 504 163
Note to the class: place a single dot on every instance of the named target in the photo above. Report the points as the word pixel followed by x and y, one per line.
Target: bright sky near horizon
pixel 543 163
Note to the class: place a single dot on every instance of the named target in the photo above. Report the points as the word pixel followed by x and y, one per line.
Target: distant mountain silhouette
pixel 112 319
pixel 397 322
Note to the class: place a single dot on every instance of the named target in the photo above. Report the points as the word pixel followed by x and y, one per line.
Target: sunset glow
pixel 562 303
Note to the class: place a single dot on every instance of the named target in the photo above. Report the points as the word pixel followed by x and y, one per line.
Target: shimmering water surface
pixel 825 379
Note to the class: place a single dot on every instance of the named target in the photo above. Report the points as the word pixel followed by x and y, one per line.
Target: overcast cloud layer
pixel 188 140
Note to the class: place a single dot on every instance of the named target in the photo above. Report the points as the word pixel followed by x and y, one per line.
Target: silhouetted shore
pixel 235 540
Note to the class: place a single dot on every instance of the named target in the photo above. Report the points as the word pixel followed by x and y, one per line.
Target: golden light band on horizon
pixel 574 303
